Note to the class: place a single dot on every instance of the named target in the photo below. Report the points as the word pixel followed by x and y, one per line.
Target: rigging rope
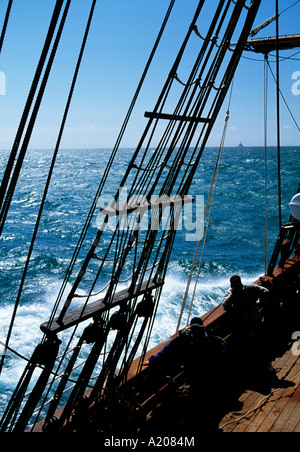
pixel 289 7
pixel 15 177
pixel 211 206
pixel 213 183
pixel 175 147
pixel 109 165
pixel 36 227
pixel 214 178
pixel 144 182
pixel 284 99
pixel 9 172
pixel 268 66
pixel 6 19
pixel 123 129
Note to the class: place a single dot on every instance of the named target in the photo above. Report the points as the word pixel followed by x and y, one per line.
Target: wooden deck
pixel 275 411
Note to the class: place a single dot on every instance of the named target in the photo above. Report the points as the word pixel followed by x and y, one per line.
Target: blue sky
pixel 121 39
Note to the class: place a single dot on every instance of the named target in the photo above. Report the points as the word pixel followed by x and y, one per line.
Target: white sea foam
pixel 26 332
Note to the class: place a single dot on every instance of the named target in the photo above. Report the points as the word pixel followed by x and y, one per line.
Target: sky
pixel 120 41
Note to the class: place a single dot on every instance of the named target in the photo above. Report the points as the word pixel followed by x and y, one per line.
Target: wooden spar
pixel 124 209
pixel 268 45
pixel 95 308
pixel 173 117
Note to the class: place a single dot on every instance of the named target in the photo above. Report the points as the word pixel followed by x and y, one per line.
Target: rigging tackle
pixel 175 147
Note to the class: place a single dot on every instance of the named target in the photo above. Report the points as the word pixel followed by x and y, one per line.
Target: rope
pixel 245 6
pixel 181 164
pixel 174 148
pixel 145 169
pixel 284 99
pixel 289 7
pixel 208 221
pixel 120 267
pixel 6 19
pixel 5 203
pixel 17 169
pixel 53 158
pixel 6 347
pixel 204 95
pixel 109 165
pixel 214 181
pixel 168 186
pixel 195 82
pixel 182 127
pixel 158 108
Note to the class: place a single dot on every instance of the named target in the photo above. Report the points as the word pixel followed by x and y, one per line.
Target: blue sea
pixel 235 237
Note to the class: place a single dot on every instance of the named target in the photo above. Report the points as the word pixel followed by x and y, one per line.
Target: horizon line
pixel 131 147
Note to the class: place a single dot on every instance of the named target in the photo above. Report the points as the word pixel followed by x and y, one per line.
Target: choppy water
pixel 235 240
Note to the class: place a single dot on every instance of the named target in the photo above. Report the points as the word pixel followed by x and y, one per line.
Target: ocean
pixel 235 237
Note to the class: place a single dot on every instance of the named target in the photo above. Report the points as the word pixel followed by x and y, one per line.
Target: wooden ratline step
pixel 96 307
pixel 125 209
pixel 172 117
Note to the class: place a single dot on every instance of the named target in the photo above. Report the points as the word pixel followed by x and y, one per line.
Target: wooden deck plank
pixel 297 428
pixel 278 411
pixel 229 424
pixel 262 404
pixel 250 405
pixel 280 398
pixel 274 408
pixel 283 409
pixel 293 419
pixel 250 399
